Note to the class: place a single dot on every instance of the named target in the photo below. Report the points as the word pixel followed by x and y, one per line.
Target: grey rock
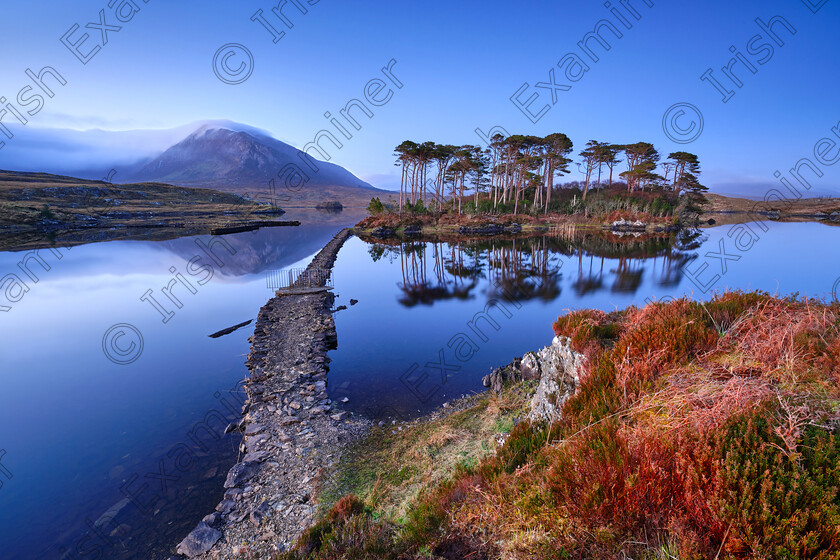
pixel 339 416
pixel 500 377
pixel 254 429
pixel 233 493
pixel 199 541
pixel 241 472
pixel 225 506
pixel 253 444
pixel 259 513
pixel 212 519
pixel 529 367
pixel 255 457
pixel 560 369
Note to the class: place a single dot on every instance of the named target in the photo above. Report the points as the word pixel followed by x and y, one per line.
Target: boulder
pixel 259 513
pixel 199 541
pixel 254 429
pixel 224 507
pixel 383 232
pixel 255 457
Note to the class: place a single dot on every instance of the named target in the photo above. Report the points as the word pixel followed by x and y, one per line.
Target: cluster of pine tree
pixel 522 168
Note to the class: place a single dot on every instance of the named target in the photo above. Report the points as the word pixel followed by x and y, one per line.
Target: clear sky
pixel 459 62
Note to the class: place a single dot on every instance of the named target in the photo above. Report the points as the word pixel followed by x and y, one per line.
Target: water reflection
pixel 418 297
pixel 529 268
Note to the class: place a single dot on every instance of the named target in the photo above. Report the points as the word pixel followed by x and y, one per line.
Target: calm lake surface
pixel 79 430
pixel 418 302
pixel 77 427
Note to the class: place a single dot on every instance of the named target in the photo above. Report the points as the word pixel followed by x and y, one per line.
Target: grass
pixel 396 463
pixel 699 430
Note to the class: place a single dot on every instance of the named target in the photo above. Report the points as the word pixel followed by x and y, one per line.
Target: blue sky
pixel 460 62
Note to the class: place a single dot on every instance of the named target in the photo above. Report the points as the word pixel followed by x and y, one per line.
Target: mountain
pixel 222 155
pixel 234 158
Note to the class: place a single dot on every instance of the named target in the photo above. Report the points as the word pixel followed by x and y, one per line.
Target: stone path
pixel 293 435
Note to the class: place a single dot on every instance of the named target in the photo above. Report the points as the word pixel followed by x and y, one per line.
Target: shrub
pixel 597 396
pixel 780 502
pixel 661 334
pixel 347 531
pixel 587 328
pixel 724 309
pixel 376 208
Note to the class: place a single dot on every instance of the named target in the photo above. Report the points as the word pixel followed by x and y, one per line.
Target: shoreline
pixel 484 226
pixel 293 433
pixel 594 410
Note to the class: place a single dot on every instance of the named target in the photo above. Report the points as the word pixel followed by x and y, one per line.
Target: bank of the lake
pixel 677 430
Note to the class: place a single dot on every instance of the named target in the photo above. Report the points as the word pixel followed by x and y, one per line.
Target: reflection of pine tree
pixel 530 268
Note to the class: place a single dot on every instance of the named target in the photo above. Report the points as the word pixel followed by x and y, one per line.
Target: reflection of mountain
pixel 268 248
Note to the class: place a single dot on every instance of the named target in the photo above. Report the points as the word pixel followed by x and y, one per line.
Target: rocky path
pixel 293 434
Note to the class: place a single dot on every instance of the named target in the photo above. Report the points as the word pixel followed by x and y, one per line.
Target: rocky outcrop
pixel 559 372
pixel 384 232
pixel 626 225
pixel 502 376
pixel 556 367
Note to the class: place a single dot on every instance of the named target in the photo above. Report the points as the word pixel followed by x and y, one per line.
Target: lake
pixel 88 419
pixel 81 431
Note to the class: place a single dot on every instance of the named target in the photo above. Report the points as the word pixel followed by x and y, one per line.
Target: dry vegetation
pixel 699 430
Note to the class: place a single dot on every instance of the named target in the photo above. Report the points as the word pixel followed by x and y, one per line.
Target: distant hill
pixel 233 158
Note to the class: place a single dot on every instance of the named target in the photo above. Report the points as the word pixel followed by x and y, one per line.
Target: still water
pixel 419 335
pixel 81 432
pixel 114 460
